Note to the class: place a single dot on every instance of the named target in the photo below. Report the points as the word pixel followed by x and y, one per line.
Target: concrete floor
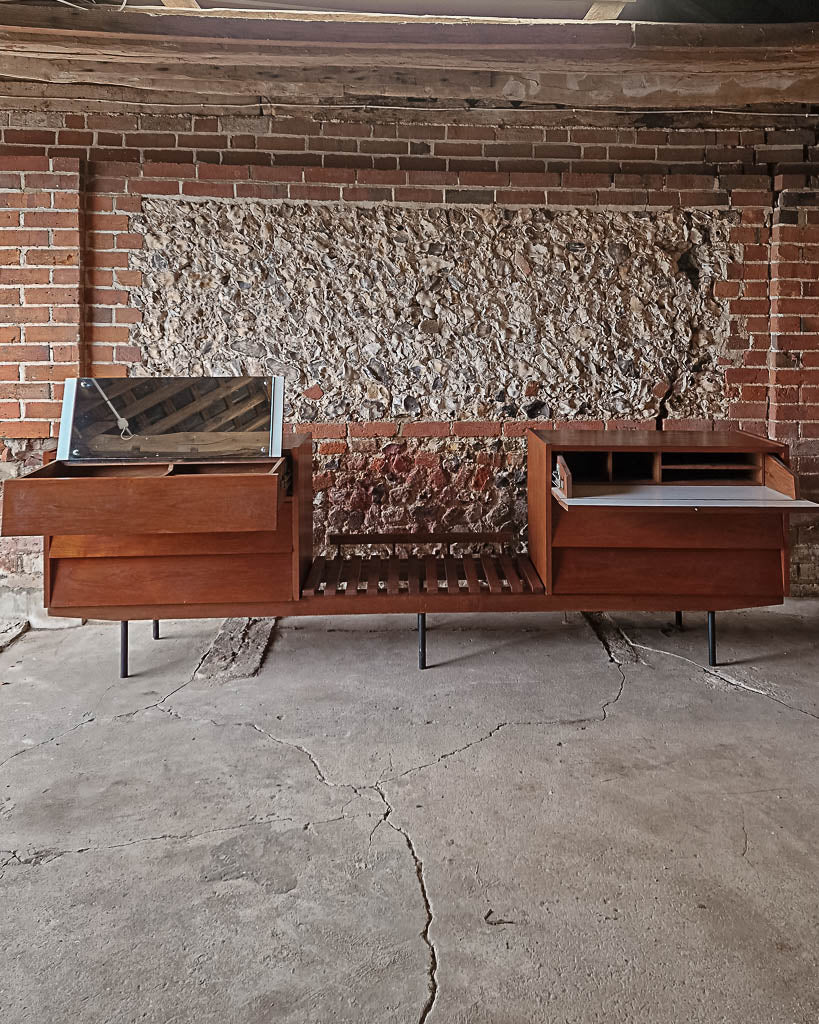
pixel 551 824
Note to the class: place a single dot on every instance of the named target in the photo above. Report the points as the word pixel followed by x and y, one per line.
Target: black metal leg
pixel 155 629
pixel 678 620
pixel 422 640
pixel 712 638
pixel 123 650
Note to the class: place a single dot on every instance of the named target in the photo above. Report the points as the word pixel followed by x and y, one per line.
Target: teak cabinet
pixel 657 521
pixel 158 540
pixel 672 520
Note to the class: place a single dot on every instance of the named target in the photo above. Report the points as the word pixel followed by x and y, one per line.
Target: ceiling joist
pixel 292 56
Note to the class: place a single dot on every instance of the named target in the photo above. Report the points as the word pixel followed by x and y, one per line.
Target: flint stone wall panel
pixel 440 313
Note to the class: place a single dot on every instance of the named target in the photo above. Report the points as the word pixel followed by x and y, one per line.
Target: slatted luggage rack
pixel 435 582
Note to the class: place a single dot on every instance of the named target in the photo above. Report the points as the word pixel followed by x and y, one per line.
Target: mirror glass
pixel 171 418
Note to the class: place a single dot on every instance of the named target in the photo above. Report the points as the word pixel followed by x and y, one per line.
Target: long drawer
pixel 665 528
pixel 170 580
pixel 695 571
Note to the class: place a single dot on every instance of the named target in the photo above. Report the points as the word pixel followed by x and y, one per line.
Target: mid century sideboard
pixel 617 520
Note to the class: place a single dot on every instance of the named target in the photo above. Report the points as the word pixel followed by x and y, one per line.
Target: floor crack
pixel 432 970
pixel 730 680
pixel 45 856
pixel 88 718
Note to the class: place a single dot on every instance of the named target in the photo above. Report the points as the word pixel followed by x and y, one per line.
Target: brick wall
pixel 70 183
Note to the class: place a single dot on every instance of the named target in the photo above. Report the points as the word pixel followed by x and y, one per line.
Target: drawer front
pixel 698 572
pixel 118 505
pixel 665 528
pixel 169 580
pixel 153 545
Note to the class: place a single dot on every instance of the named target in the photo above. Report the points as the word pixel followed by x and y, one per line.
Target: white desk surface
pixel 747 496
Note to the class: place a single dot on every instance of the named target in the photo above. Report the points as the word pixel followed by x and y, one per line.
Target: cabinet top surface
pixel 658 440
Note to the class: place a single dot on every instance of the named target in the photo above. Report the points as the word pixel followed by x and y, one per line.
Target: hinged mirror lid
pixel 173 418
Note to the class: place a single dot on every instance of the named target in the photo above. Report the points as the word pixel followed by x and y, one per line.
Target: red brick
pixel 38 371
pixel 52 296
pixel 321 430
pixel 418 195
pixel 332 447
pixel 566 197
pixel 18 236
pixel 518 428
pixel 24 315
pixel 314 192
pixel 24 353
pixel 355 194
pixel 373 429
pixel 49 219
pixel 417 429
pixel 129 241
pixel 36 429
pixel 476 428
pixel 332 175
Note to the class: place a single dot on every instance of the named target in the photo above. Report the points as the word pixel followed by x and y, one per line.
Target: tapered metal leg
pixel 123 650
pixel 712 638
pixel 155 629
pixel 422 640
pixel 678 620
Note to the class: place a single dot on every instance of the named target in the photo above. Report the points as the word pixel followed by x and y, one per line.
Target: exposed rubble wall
pixel 441 313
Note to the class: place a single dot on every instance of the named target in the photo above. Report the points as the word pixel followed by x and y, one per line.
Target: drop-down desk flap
pixel 712 497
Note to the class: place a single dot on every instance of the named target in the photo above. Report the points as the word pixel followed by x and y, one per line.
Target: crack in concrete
pixel 725 678
pixel 46 856
pixel 87 720
pixel 527 723
pixel 744 853
pixel 432 970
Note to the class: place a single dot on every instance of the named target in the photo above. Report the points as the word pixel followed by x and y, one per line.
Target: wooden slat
pixel 314 577
pixel 471 574
pixel 352 576
pixel 373 575
pixel 511 574
pixel 431 573
pixel 484 537
pixel 451 570
pixel 414 571
pixel 491 573
pixel 529 572
pixel 393 567
pixel 332 576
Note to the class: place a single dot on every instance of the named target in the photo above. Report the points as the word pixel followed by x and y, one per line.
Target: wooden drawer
pixel 666 571
pixel 153 545
pixel 665 528
pixel 61 500
pixel 170 580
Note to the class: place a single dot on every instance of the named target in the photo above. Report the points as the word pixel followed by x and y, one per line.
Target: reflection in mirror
pixel 171 418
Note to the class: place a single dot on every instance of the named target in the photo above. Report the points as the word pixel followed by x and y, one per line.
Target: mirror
pixel 172 418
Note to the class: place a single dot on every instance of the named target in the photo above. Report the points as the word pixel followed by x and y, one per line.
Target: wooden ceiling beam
pixel 619 64
pixel 667 90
